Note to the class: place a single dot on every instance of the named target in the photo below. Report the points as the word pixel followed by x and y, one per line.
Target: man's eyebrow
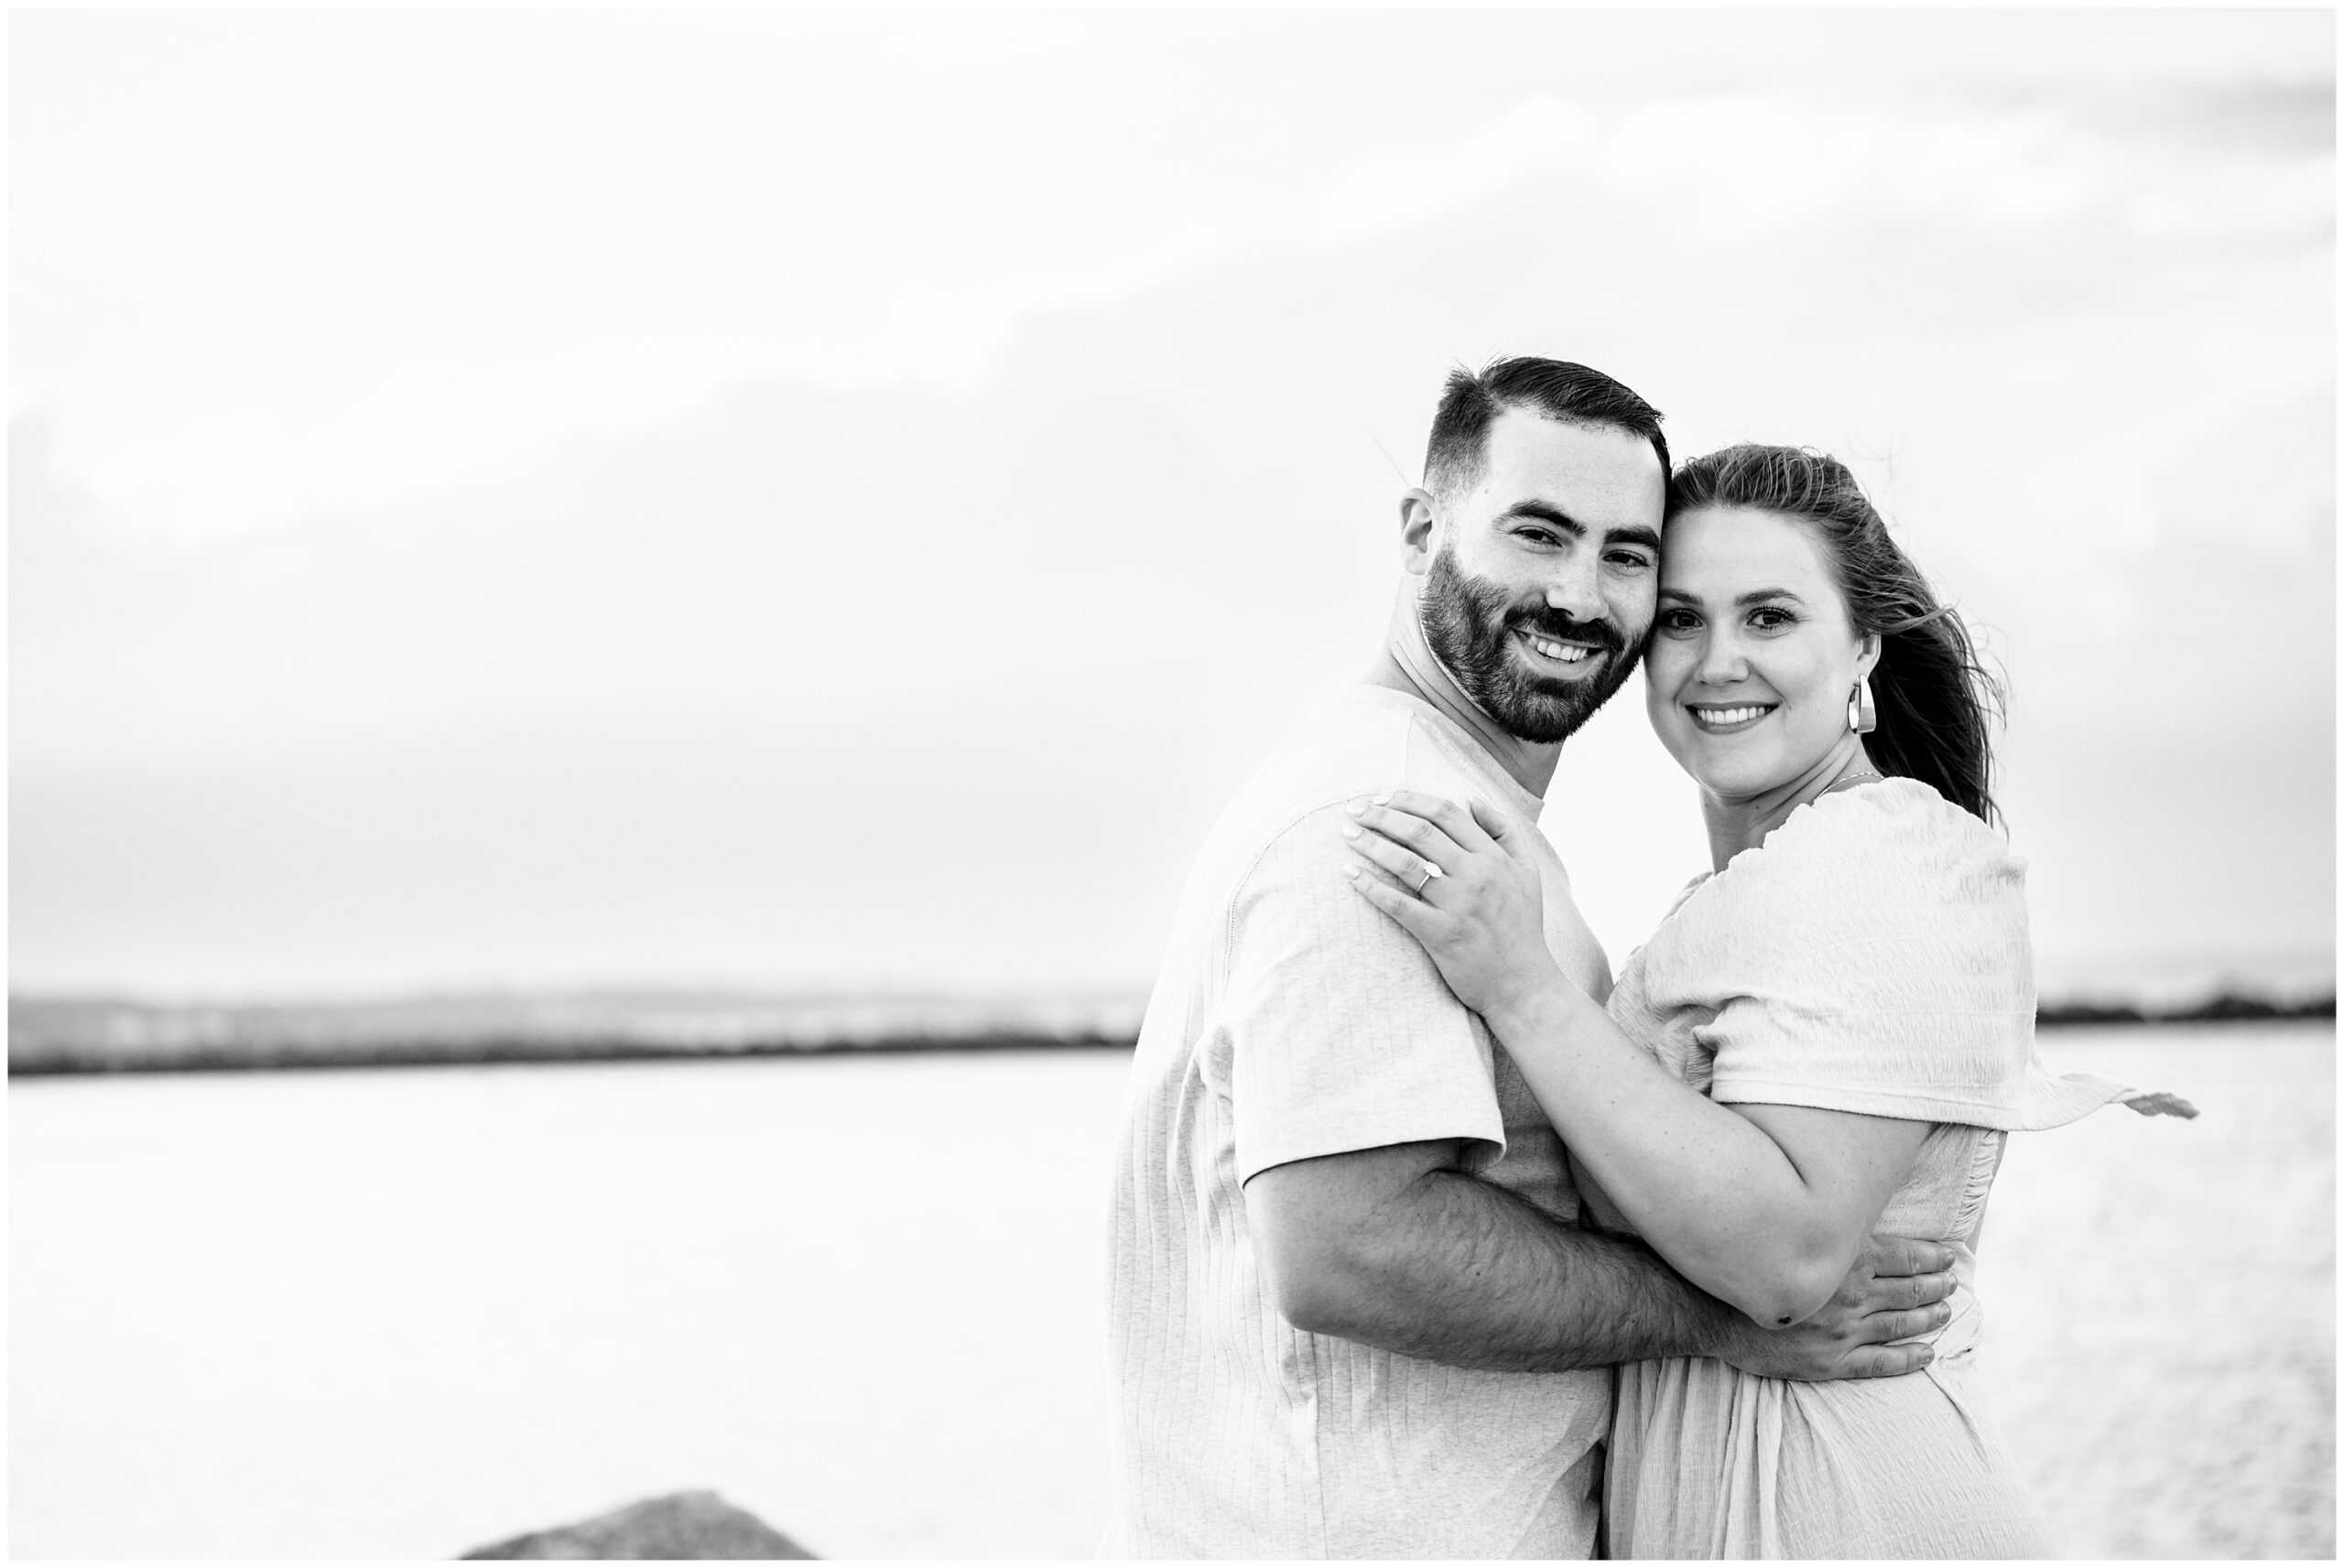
pixel 1634 534
pixel 1546 513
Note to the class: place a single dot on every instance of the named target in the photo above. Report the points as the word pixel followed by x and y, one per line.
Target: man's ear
pixel 1416 532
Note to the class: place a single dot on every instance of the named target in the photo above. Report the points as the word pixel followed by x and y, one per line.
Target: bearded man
pixel 1352 1313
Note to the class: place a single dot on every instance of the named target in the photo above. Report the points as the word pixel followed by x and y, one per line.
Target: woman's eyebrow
pixel 1757 596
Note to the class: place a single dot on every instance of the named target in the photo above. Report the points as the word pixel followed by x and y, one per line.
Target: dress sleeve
pixel 1342 1035
pixel 1851 1038
pixel 1897 978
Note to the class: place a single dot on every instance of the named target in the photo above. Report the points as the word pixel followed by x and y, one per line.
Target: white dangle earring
pixel 1861 717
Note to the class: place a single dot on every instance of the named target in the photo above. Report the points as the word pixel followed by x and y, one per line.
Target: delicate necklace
pixel 1844 780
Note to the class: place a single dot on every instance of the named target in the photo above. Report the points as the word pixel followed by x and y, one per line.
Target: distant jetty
pixel 49 1035
pixel 67 1034
pixel 2223 1007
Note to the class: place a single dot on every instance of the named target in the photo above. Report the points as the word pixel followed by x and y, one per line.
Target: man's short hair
pixel 1455 457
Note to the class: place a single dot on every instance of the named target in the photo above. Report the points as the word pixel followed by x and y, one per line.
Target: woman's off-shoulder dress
pixel 1871 956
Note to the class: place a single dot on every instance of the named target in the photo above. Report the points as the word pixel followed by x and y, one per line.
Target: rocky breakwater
pixel 681 1526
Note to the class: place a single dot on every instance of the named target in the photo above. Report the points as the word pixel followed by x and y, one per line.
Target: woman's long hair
pixel 1932 693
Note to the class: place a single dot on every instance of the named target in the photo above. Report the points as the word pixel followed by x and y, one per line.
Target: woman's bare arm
pixel 1595 1204
pixel 1763 1207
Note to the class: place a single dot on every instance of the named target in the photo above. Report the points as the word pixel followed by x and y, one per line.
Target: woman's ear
pixel 1867 653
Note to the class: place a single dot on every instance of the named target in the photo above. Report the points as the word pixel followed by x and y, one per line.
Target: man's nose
pixel 1575 591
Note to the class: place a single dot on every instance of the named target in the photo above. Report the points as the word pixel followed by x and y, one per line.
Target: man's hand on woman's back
pixel 1896 1290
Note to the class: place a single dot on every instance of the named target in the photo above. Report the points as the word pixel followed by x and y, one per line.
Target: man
pixel 1352 1314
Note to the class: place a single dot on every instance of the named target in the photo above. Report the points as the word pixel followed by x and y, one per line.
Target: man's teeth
pixel 1727 715
pixel 1568 653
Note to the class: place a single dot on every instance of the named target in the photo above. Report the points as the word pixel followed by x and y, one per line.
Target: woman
pixel 1851 990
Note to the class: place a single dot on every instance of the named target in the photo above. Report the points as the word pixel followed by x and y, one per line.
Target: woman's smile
pixel 1722 719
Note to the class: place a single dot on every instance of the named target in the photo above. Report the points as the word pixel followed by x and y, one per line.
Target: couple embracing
pixel 1432 1240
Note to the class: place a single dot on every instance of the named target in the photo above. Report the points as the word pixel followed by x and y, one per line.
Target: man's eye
pixel 1632 561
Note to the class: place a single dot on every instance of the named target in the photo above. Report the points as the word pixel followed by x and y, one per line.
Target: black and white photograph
pixel 1216 783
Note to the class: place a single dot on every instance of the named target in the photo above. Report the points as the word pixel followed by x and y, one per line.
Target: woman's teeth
pixel 1723 717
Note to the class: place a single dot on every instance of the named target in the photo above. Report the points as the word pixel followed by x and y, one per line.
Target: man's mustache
pixel 1555 624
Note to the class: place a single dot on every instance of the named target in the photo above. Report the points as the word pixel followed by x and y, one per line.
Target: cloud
pixel 609 526
pixel 456 293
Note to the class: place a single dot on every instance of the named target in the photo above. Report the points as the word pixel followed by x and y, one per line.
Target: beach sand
pixel 2161 1299
pixel 405 1312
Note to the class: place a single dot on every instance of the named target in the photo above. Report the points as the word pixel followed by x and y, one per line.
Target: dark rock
pixel 686 1525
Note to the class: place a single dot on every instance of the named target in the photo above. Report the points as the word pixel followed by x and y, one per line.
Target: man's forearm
pixel 1476 1276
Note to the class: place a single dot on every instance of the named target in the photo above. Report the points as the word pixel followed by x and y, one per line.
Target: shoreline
pixel 525 1051
pixel 86 1039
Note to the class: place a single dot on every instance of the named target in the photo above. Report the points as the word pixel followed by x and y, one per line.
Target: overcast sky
pixel 558 498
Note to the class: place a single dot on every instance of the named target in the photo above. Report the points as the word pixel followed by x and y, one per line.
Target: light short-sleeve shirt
pixel 1293 1020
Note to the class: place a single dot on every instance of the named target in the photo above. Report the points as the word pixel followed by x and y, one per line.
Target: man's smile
pixel 1556 652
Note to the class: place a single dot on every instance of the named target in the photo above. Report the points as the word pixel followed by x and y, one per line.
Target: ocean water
pixel 405 1313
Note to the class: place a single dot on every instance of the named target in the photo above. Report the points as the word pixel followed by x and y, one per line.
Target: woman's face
pixel 1752 655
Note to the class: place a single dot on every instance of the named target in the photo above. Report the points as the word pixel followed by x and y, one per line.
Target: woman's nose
pixel 1722 663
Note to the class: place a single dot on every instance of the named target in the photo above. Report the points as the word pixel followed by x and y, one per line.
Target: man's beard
pixel 1468 623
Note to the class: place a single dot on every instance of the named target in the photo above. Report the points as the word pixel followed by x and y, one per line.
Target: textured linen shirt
pixel 1293 1020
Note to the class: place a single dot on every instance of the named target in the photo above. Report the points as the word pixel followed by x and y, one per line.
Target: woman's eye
pixel 1677 621
pixel 1772 619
